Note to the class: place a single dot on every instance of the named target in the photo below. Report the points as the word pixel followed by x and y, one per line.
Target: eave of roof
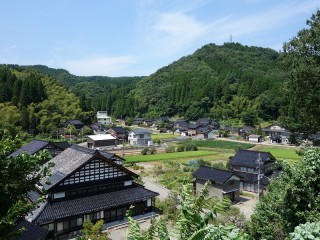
pixel 80 206
pixel 32 231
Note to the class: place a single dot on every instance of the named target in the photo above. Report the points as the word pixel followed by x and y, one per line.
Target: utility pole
pixel 259 174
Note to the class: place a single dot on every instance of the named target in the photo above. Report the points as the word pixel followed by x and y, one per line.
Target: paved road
pixel 153 186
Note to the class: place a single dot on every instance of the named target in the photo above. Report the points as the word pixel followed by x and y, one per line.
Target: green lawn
pixel 170 156
pixel 223 144
pixel 282 153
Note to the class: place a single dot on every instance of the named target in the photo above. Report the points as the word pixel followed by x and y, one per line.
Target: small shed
pixel 255 138
pixel 101 140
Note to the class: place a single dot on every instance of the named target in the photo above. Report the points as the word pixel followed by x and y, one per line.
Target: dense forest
pixel 99 92
pixel 225 82
pixel 36 103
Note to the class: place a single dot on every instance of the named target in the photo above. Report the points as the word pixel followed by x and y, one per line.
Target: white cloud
pixel 101 65
pixel 170 33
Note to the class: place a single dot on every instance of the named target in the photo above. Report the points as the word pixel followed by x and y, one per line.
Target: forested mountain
pixel 34 102
pixel 231 81
pixel 222 82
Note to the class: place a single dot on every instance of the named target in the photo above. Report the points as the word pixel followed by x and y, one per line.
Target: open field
pixel 281 153
pixel 163 136
pixel 223 144
pixel 181 156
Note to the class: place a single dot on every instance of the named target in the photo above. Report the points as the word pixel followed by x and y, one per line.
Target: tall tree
pixel 292 199
pixel 301 110
pixel 18 176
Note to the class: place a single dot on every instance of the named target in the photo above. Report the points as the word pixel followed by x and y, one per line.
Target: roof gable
pixel 213 174
pixel 72 159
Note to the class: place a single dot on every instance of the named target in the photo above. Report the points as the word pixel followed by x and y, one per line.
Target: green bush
pixel 144 151
pixel 170 149
pixel 180 148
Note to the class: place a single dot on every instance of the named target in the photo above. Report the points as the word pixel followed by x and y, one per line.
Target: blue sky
pixel 137 37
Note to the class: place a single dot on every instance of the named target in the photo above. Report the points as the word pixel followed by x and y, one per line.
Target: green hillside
pixel 33 102
pixel 222 82
pixel 230 81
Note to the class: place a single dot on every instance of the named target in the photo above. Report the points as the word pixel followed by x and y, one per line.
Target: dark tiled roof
pixel 62 145
pixel 203 130
pixel 193 126
pixel 248 158
pixel 71 159
pixel 31 148
pixel 213 174
pixel 181 122
pixel 33 196
pixel 118 129
pixel 31 232
pixel 80 206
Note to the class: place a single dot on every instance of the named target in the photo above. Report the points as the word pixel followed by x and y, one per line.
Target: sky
pixel 137 37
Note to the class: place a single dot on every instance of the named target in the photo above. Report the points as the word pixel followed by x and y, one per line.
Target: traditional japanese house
pixel 246 164
pixel 76 123
pixel 120 133
pixel 192 129
pixel 87 184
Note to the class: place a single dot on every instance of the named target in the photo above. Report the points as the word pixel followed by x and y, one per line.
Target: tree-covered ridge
pixel 33 102
pixel 92 86
pixel 206 82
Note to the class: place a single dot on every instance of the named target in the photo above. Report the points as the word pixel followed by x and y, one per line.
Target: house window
pixel 50 226
pixel 59 195
pixel 243 169
pixel 59 226
pixel 128 183
pixel 149 203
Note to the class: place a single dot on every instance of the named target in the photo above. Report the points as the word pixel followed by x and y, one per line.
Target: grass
pixel 223 144
pixel 163 136
pixel 281 153
pixel 170 156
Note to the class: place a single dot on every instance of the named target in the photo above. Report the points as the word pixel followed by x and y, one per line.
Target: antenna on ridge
pixel 230 38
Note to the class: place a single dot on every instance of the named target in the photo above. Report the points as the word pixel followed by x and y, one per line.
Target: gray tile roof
pixel 80 206
pixel 31 232
pixel 71 159
pixel 31 148
pixel 118 129
pixel 213 174
pixel 248 158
